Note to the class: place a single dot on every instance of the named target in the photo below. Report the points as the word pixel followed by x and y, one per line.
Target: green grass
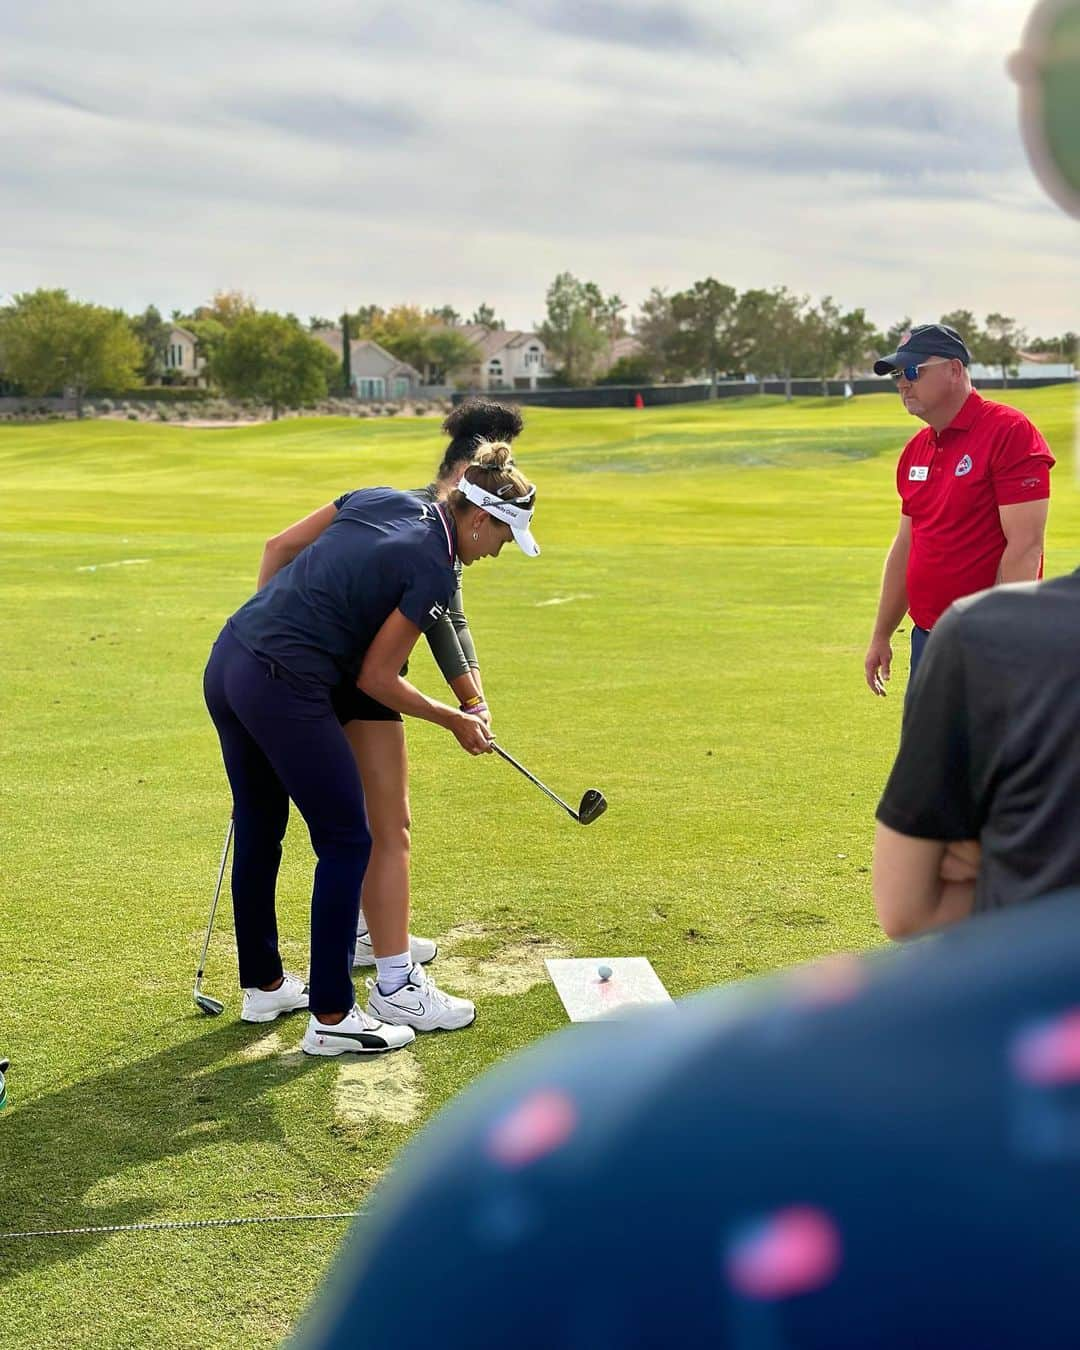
pixel 708 679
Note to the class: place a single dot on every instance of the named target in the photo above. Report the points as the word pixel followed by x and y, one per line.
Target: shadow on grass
pixel 56 1149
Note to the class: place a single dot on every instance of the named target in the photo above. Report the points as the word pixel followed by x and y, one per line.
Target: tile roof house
pixel 376 373
pixel 509 358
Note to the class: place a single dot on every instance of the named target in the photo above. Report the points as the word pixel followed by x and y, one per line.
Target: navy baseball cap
pixel 928 339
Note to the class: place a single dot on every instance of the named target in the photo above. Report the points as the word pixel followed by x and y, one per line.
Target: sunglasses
pixel 911 373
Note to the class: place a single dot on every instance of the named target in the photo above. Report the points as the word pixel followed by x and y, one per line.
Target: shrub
pixel 164 393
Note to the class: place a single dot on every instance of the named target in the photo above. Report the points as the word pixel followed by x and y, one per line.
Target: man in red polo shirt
pixel 974 490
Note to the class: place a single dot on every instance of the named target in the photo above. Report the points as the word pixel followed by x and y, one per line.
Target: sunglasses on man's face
pixel 911 373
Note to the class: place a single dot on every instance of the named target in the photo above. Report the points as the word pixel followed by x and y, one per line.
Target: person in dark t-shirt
pixel 350 606
pixel 982 809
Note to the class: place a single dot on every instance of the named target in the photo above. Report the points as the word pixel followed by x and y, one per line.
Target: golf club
pixel 211 1006
pixel 593 802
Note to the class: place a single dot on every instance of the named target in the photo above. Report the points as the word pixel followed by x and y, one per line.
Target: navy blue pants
pixel 281 739
pixel 918 643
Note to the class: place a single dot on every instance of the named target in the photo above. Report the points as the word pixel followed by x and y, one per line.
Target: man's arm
pixel 284 547
pixel 913 892
pixel 892 606
pixel 1024 527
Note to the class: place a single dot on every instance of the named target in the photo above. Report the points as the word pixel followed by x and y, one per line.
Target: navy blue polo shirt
pixel 384 550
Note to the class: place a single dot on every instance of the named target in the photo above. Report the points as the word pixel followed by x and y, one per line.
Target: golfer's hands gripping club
pixel 878 665
pixel 472 733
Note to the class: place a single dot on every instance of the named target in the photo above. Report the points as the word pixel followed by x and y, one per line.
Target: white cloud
pixel 348 152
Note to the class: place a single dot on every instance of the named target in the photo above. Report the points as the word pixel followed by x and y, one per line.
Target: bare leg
pixel 379 749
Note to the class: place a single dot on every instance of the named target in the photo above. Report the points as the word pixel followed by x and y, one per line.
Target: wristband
pixel 473 702
pixel 475 709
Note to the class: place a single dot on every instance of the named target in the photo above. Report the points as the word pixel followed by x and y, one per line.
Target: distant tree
pixel 775 334
pixel 605 311
pixel 656 328
pixel 209 334
pixel 346 356
pixel 364 319
pixel 967 326
pixel 318 324
pixel 636 369
pixel 153 332
pixel 444 314
pixel 1001 344
pixel 401 330
pixel 824 335
pixel 49 343
pixel 858 342
pixel 895 333
pixel 424 339
pixel 703 339
pixel 446 354
pixel 1063 347
pixel 484 315
pixel 573 330
pixel 271 358
pixel 227 307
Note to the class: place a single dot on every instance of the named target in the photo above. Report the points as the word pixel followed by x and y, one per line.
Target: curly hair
pixel 475 420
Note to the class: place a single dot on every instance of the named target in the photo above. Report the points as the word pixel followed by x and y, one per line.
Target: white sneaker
pixel 263 1005
pixel 420 1004
pixel 422 950
pixel 357 1033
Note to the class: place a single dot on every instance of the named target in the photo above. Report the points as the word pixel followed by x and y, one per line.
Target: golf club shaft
pixel 533 779
pixel 213 905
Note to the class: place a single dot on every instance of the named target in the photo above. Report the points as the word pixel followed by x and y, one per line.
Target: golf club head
pixel 593 805
pixel 211 1006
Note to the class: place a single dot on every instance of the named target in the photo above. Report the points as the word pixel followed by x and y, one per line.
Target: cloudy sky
pixel 328 154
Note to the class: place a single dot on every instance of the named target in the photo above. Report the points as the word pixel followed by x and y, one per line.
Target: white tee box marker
pixel 586 997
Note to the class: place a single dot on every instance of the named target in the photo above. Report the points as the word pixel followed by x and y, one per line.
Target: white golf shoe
pixel 421 949
pixel 420 1004
pixel 263 1005
pixel 356 1034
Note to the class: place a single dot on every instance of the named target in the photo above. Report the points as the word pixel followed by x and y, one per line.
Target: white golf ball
pixel 604 972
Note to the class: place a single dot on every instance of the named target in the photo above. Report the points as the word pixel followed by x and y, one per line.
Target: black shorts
pixel 353 705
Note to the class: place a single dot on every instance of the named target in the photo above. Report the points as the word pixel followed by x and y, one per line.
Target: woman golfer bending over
pixel 350 606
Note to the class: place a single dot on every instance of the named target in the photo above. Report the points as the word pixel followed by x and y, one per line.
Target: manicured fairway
pixel 690 641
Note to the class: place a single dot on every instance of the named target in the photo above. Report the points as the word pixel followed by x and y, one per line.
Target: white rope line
pixel 180 1223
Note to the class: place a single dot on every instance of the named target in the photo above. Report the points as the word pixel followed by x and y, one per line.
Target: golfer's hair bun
pixel 483 419
pixel 494 470
pixel 492 457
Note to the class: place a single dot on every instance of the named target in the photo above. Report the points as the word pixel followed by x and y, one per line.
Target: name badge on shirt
pixel 918 473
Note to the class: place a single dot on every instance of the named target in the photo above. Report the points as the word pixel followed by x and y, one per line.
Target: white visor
pixel 517 517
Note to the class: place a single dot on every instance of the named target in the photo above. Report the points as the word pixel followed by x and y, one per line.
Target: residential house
pixel 376 373
pixel 183 361
pixel 509 358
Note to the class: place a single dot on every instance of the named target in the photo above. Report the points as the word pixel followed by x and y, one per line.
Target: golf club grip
pixel 532 778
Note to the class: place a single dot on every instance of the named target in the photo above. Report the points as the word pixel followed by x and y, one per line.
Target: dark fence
pixel 658 395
